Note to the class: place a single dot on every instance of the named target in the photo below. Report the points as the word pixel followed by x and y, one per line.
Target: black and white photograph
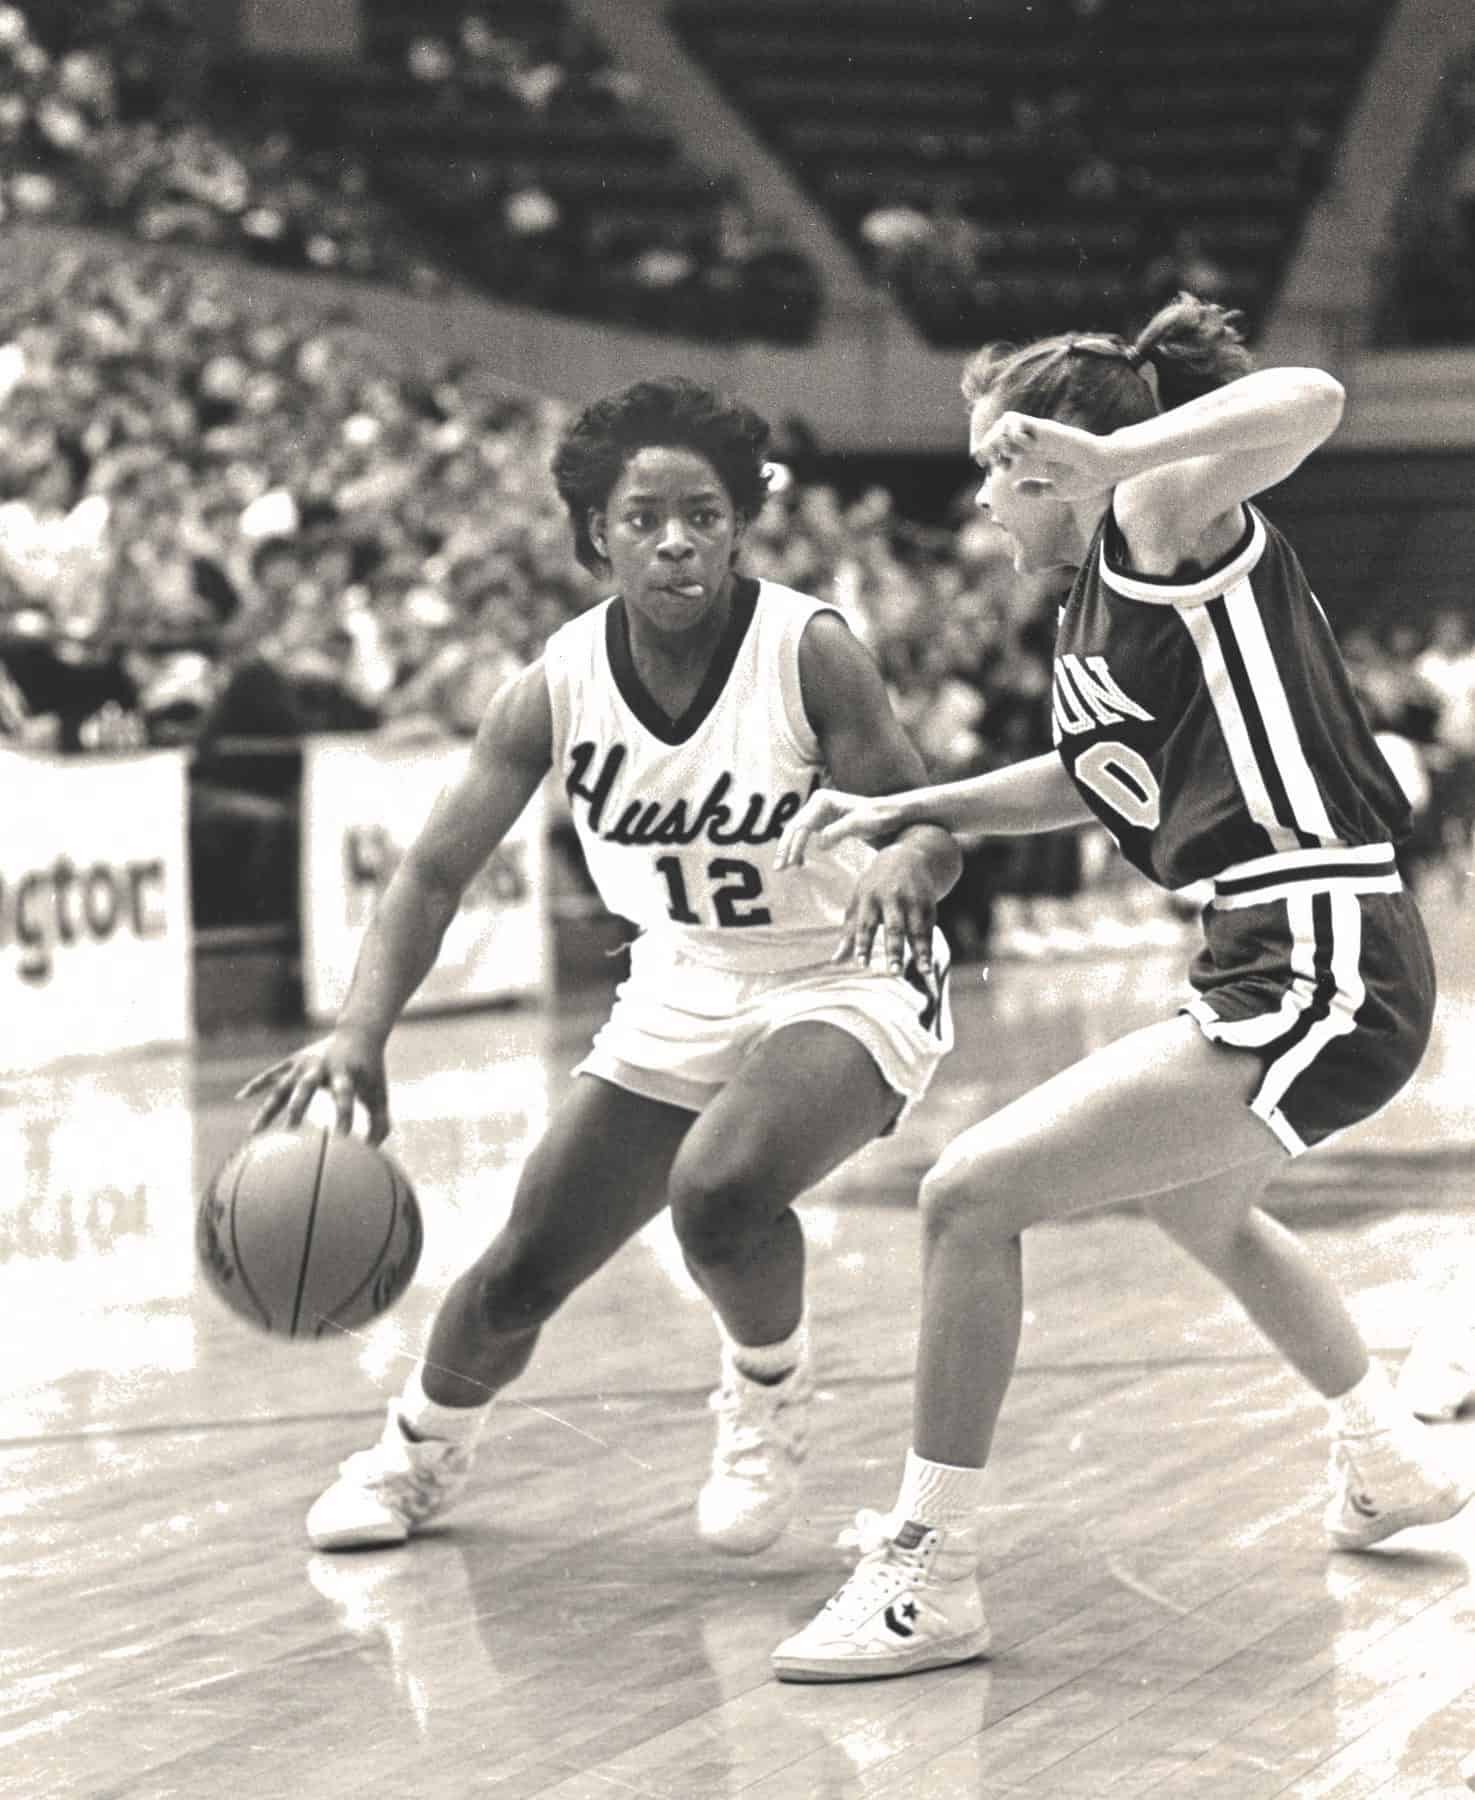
pixel 737 899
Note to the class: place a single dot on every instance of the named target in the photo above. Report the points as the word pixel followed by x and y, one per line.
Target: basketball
pixel 307 1231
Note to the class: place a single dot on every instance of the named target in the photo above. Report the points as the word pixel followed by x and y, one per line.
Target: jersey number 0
pixel 1115 773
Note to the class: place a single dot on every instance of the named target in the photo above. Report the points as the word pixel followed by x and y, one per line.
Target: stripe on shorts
pixel 1262 1029
pixel 1340 992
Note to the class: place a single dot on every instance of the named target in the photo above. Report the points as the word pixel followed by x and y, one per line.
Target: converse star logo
pixel 902 1618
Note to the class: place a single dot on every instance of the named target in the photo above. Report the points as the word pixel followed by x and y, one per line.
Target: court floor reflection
pixel 1166 1619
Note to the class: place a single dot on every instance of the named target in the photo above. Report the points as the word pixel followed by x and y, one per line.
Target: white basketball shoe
pixel 1437 1380
pixel 762 1440
pixel 385 1493
pixel 913 1603
pixel 1388 1481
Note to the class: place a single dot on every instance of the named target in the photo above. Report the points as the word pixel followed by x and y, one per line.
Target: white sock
pixel 1370 1406
pixel 768 1363
pixel 942 1494
pixel 428 1418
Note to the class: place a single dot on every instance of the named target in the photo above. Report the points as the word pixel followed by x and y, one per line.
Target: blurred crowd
pixel 111 115
pixel 183 479
pixel 221 528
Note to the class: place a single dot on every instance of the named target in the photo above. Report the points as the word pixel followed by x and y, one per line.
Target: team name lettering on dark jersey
pixel 642 821
pixel 1087 696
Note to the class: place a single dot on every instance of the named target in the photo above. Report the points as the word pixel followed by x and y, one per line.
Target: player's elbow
pixel 1319 401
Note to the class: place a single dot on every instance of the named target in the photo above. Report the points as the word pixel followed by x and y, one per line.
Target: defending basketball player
pixel 688 717
pixel 1203 715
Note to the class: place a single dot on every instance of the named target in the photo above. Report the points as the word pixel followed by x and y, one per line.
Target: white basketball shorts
pixel 680 1028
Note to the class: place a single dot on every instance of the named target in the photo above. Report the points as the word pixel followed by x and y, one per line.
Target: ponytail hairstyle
pixel 1100 381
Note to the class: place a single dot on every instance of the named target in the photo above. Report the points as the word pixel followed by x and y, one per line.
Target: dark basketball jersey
pixel 1208 719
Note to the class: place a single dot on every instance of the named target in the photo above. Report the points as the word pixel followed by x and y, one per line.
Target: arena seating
pixel 526 152
pixel 1012 166
pixel 516 161
pixel 1427 297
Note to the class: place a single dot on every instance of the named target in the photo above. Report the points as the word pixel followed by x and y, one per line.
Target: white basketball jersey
pixel 679 819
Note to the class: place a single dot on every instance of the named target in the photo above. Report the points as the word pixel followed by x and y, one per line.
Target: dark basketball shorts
pixel 1317 963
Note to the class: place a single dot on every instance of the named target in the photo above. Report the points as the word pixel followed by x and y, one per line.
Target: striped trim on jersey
pixel 1351 869
pixel 1221 615
pixel 1163 592
pixel 1254 714
pixel 1319 1006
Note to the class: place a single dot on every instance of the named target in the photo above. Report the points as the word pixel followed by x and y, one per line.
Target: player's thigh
pixel 1160 1108
pixel 598 1174
pixel 1205 1217
pixel 804 1100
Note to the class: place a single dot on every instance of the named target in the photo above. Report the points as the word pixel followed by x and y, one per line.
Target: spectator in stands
pixel 893 229
pixel 73 695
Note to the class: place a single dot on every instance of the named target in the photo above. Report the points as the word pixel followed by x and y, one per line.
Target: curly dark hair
pixel 675 413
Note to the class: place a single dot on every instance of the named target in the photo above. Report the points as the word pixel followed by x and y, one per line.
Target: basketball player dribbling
pixel 687 717
pixel 1202 713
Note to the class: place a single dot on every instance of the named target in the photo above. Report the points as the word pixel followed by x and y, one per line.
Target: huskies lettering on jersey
pixel 653 822
pixel 1087 696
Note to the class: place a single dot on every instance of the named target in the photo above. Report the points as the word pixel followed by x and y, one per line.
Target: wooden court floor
pixel 1166 1619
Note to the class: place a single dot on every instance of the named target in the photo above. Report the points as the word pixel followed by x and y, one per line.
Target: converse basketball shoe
pixel 1388 1481
pixel 762 1438
pixel 384 1493
pixel 1437 1380
pixel 913 1603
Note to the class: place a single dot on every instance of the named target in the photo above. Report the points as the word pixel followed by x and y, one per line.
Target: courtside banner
pixel 362 802
pixel 95 936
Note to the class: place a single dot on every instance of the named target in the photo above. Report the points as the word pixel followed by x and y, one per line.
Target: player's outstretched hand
pixel 829 816
pixel 895 896
pixel 349 1064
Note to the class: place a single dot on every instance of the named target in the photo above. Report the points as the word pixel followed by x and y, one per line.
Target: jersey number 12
pixel 740 883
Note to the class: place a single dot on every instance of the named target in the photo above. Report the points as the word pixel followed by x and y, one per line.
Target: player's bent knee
pixel 958 1202
pixel 714 1220
pixel 948 1203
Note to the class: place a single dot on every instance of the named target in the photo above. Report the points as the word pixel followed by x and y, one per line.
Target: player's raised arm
pixel 510 756
pixel 1176 474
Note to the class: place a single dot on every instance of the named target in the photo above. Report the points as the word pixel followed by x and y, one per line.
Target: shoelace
pixel 395 1474
pixel 883 1571
pixel 741 1437
pixel 869 1532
